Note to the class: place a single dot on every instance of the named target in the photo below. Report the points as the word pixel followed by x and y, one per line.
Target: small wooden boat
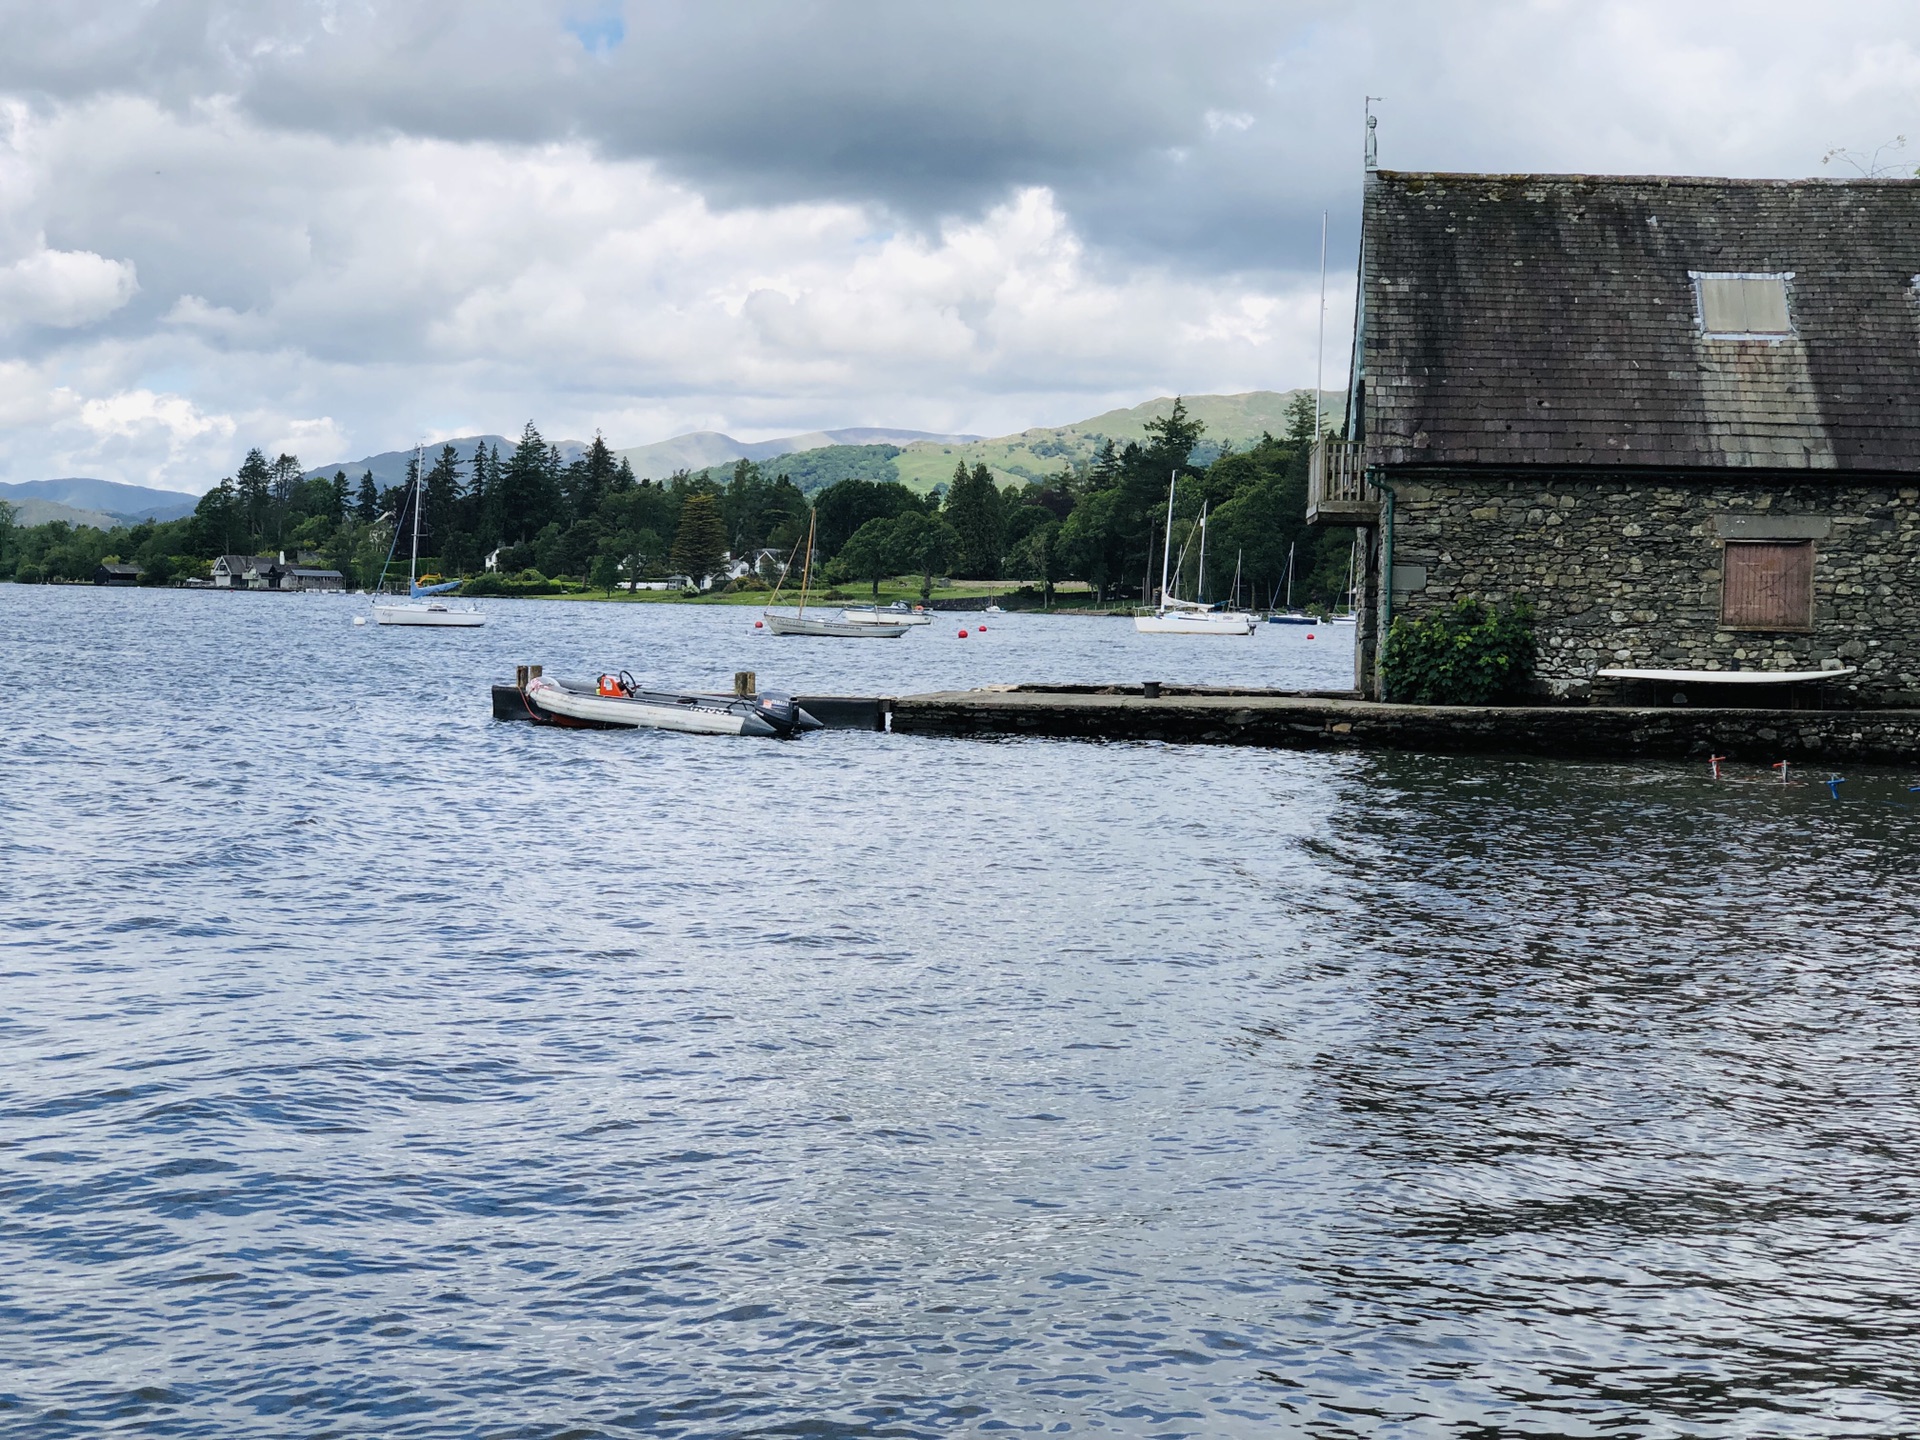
pixel 617 702
pixel 779 622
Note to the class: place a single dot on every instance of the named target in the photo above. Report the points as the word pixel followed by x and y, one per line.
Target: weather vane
pixel 1373 133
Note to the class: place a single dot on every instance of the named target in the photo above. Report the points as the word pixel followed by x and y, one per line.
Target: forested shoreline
pixel 517 522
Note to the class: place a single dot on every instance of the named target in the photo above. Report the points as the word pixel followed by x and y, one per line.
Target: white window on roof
pixel 1743 307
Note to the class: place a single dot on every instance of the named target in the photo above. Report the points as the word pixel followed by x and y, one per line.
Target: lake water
pixel 374 1069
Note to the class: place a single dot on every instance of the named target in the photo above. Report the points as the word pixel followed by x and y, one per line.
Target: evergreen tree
pixel 587 480
pixel 251 487
pixel 700 541
pixel 528 488
pixel 219 524
pixel 975 511
pixel 440 521
pixel 337 498
pixel 366 500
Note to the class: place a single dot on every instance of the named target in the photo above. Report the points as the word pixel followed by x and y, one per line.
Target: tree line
pixel 529 516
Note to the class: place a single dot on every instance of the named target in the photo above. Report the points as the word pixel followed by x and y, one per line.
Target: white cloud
pixel 405 287
pixel 63 288
pixel 299 229
pixel 320 439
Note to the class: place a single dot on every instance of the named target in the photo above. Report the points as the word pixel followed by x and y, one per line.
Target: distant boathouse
pixel 1680 417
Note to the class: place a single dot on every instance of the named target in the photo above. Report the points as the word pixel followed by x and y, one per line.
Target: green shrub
pixel 1471 654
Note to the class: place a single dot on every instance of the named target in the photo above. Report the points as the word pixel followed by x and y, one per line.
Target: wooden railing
pixel 1337 486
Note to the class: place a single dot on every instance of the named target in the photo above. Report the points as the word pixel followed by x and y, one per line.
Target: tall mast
pixel 1166 551
pixel 419 489
pixel 1320 345
pixel 806 569
pixel 1290 545
pixel 1200 585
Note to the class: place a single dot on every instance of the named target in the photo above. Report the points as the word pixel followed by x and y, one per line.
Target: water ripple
pixel 374 1069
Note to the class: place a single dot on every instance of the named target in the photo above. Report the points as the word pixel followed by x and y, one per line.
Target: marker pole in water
pixel 1781 766
pixel 1834 782
pixel 1714 761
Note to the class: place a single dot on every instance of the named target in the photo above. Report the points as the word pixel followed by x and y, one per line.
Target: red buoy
pixel 983 629
pixel 1309 634
pixel 758 623
pixel 963 634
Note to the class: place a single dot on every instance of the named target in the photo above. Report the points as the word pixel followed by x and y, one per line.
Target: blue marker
pixel 1833 786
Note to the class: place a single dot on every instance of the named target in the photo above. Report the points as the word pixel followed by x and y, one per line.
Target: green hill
pixel 1236 420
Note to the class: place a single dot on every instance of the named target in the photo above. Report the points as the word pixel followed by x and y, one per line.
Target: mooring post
pixel 743 684
pixel 519 677
pixel 1151 690
pixel 533 672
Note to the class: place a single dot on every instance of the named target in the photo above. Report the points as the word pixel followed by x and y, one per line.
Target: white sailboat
pixel 1174 616
pixel 420 607
pixel 1352 615
pixel 1290 616
pixel 894 614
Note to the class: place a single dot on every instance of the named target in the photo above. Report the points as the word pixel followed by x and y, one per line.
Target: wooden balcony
pixel 1338 491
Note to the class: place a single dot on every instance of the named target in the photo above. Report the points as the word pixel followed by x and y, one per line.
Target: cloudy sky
pixel 336 226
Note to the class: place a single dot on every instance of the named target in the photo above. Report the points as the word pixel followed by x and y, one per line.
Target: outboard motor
pixel 782 716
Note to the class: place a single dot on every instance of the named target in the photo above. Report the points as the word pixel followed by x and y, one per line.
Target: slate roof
pixel 1552 320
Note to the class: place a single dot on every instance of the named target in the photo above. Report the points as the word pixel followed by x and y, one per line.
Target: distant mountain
pixel 695 451
pixel 704 449
pixel 108 498
pixel 389 467
pixel 45 512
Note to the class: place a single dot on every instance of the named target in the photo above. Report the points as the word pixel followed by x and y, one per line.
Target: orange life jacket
pixel 610 686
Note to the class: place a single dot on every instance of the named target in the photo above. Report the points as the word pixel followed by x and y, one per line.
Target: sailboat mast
pixel 419 484
pixel 1166 551
pixel 1200 587
pixel 1290 545
pixel 806 569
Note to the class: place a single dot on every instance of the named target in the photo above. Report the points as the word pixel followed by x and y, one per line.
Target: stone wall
pixel 1624 571
pixel 1307 722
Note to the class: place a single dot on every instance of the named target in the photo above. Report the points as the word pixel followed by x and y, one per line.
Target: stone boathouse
pixel 1680 417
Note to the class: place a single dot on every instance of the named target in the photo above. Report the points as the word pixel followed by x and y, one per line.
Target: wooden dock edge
pixel 1320 722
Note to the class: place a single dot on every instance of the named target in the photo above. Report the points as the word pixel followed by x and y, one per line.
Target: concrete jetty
pixel 1297 720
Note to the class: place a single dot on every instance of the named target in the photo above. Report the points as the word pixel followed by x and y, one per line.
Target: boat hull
pixel 437 616
pixel 580 706
pixel 854 615
pixel 778 624
pixel 1190 622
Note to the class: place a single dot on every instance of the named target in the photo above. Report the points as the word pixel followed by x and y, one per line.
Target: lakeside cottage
pixel 1680 417
pixel 269 572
